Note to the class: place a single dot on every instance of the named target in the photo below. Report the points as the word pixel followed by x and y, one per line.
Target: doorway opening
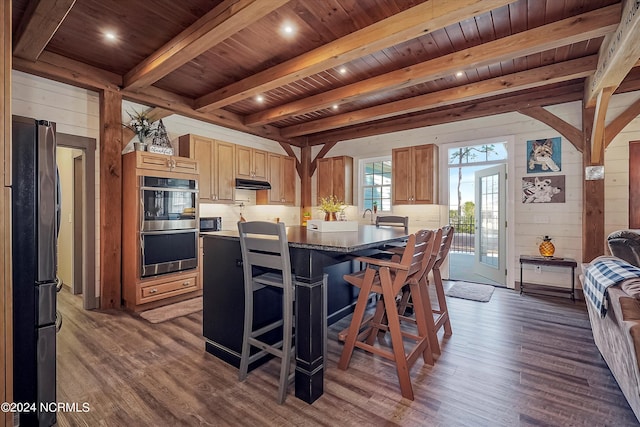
pixel 477 210
pixel 75 156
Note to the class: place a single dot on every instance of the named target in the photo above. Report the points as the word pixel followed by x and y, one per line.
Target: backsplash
pixel 246 204
pixel 422 216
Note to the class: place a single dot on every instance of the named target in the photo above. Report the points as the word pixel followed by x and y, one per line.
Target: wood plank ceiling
pixel 347 69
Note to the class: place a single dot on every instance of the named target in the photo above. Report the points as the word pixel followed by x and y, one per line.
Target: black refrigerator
pixel 35 222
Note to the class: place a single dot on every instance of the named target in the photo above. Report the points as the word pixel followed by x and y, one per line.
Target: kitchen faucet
pixel 365 213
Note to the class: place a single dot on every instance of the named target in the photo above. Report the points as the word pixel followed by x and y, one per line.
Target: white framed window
pixel 375 183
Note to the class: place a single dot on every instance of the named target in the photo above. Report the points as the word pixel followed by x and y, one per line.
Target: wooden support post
pixel 305 180
pixel 6 294
pixel 597 132
pixel 110 199
pixel 593 196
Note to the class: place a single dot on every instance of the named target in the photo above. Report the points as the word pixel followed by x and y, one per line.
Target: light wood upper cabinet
pixel 251 163
pixel 282 177
pixel 164 163
pixel 224 178
pixel 201 148
pixel 217 160
pixel 335 177
pixel 415 175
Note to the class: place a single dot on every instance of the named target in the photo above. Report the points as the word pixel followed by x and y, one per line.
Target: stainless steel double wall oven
pixel 168 226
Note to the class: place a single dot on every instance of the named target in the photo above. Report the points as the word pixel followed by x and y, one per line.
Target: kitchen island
pixel 313 254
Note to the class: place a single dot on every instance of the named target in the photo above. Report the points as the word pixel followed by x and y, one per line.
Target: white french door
pixel 490 212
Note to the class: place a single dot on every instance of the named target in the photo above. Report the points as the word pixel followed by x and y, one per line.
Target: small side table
pixel 552 261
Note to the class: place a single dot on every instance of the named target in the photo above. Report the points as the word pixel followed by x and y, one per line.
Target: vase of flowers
pixel 331 206
pixel 142 126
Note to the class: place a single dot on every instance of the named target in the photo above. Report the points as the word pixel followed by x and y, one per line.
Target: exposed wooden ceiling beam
pixel 406 25
pixel 470 110
pixel 618 54
pixel 62 69
pixel 569 131
pixel 619 123
pixel 541 76
pixel 40 22
pixel 562 33
pixel 184 107
pixel 597 132
pixel 220 23
pixel 72 72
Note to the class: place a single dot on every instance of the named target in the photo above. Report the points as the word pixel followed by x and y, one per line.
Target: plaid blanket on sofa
pixel 601 274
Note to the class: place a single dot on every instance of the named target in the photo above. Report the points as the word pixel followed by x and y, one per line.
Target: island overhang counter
pixel 313 254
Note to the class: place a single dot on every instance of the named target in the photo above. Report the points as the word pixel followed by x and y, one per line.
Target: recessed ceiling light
pixel 459 74
pixel 288 29
pixel 335 106
pixel 342 70
pixel 110 35
pixel 260 98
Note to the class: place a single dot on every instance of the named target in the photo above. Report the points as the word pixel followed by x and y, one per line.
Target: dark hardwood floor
pixel 516 360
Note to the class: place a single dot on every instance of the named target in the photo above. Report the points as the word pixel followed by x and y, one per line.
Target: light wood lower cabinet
pixel 150 292
pixel 160 288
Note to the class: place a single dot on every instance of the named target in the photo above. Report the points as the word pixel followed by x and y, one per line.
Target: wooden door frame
pixel 88 146
pixel 78 213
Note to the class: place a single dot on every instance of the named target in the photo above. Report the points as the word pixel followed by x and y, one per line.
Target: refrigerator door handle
pixel 47 194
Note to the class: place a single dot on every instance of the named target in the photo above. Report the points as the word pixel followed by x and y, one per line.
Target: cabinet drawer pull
pixel 186 283
pixel 153 291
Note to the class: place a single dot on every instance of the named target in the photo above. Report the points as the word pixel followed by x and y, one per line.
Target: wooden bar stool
pixel 442 320
pixel 405 304
pixel 265 249
pixel 406 300
pixel 387 280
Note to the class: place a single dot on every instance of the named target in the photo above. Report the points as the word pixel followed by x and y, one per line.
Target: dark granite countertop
pixel 367 236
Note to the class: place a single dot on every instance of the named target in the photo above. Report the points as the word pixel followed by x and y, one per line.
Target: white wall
pixel 76 112
pixel 527 222
pixel 64 157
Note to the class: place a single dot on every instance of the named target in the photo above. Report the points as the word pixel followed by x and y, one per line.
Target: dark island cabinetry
pixel 319 302
pixel 223 292
pixel 223 300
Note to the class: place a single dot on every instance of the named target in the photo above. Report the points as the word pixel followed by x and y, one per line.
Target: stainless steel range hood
pixel 249 184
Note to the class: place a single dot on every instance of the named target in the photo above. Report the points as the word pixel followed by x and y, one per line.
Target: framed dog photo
pixel 544 155
pixel 543 189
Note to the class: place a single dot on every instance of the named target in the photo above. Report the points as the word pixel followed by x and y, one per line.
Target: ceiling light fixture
pixel 260 98
pixel 335 106
pixel 459 74
pixel 110 35
pixel 342 70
